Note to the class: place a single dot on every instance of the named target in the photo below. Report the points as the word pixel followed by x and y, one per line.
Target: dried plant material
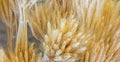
pixel 7 14
pixel 94 27
pixel 72 31
pixel 9 18
pixel 100 17
pixel 103 52
pixel 65 43
pixel 22 52
pixel 50 11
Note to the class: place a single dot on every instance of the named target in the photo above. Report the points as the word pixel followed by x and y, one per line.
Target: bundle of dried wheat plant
pixel 71 31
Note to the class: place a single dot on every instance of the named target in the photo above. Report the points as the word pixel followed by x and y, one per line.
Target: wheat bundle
pixel 71 31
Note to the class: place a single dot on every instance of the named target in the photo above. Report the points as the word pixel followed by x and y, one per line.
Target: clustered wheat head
pixel 70 30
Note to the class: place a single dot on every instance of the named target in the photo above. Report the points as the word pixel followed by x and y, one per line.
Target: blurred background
pixel 3 35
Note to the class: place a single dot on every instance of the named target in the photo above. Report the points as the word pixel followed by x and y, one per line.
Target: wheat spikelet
pixel 63 44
